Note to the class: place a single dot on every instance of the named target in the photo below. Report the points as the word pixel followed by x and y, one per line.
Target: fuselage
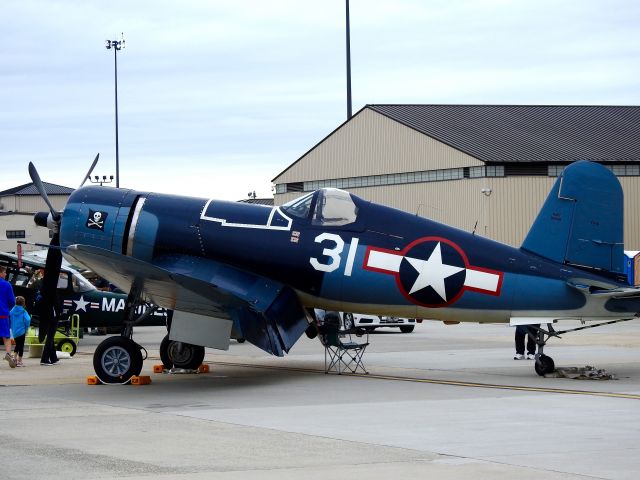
pixel 340 252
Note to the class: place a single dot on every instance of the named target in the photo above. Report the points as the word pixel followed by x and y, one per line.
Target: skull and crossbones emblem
pixel 96 219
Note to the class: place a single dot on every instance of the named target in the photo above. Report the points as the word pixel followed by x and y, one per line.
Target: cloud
pixel 221 96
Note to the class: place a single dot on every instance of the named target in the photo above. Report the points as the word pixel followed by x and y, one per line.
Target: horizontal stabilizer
pixel 581 222
pixel 601 290
pixel 515 321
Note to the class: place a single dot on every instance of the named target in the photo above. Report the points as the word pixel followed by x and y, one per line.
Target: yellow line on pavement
pixel 453 383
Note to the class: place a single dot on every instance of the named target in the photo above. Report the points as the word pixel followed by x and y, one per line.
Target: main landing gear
pixel 180 355
pixel 119 358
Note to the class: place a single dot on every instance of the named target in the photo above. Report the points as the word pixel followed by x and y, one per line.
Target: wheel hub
pixel 116 361
pixel 180 353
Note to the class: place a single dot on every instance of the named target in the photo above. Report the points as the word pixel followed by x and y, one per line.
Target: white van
pixel 371 322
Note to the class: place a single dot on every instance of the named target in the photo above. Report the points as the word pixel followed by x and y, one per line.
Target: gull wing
pixel 268 312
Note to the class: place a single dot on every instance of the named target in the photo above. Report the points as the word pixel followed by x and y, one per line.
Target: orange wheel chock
pixel 158 368
pixel 204 368
pixel 140 380
pixel 93 380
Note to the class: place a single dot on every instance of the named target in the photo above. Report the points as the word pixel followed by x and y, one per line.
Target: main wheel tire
pixel 186 355
pixel 67 345
pixel 347 321
pixel 117 359
pixel 407 328
pixel 164 353
pixel 544 365
pixel 241 340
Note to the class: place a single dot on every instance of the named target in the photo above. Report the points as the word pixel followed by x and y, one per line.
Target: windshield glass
pixel 299 207
pixel 63 280
pixel 334 208
pixel 81 284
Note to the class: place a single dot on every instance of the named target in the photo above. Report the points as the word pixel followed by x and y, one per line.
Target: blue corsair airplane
pixel 261 270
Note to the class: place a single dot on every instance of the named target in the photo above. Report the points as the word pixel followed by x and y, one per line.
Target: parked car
pixel 103 310
pixel 371 322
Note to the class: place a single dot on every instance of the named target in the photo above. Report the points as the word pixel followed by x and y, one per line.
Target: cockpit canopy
pixel 325 207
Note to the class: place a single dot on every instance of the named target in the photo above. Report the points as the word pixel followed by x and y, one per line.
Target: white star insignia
pixel 81 304
pixel 432 272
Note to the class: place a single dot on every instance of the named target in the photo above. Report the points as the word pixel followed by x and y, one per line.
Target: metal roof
pixel 30 189
pixel 527 133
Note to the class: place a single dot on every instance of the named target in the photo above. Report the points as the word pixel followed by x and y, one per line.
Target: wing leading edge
pixel 268 312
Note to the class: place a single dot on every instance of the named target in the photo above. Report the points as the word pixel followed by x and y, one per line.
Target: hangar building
pixel 488 167
pixel 17 206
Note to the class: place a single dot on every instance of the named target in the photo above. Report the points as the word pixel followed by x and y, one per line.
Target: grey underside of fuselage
pixel 593 310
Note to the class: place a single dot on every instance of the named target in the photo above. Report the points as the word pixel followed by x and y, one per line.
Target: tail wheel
pixel 117 359
pixel 68 346
pixel 544 365
pixel 185 355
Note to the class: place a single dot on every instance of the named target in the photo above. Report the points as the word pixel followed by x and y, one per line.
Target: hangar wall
pixel 21 222
pixel 372 144
pixel 16 215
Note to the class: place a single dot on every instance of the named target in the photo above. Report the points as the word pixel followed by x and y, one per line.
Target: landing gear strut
pixel 544 364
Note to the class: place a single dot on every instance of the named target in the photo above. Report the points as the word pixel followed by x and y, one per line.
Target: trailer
pixel 66 339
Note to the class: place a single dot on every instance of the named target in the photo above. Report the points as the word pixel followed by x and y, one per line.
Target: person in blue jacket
pixel 7 301
pixel 20 321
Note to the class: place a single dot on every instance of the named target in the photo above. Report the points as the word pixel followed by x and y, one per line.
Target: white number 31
pixel 334 253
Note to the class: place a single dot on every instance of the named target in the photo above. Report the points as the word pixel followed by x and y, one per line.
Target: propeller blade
pixel 93 165
pixel 35 178
pixel 49 289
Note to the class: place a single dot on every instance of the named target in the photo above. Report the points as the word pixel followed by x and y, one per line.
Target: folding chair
pixel 341 356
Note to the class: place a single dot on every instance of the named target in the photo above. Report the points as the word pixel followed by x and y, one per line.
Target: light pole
pixel 116 45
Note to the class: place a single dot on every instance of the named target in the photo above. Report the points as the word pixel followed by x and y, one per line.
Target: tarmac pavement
pixel 445 402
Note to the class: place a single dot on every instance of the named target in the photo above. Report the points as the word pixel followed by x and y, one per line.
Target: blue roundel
pixel 432 273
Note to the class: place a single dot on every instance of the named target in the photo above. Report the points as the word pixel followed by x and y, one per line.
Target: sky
pixel 216 98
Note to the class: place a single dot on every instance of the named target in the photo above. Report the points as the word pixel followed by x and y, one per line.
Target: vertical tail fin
pixel 581 222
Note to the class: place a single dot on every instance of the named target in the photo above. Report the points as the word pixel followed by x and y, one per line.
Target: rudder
pixel 581 222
